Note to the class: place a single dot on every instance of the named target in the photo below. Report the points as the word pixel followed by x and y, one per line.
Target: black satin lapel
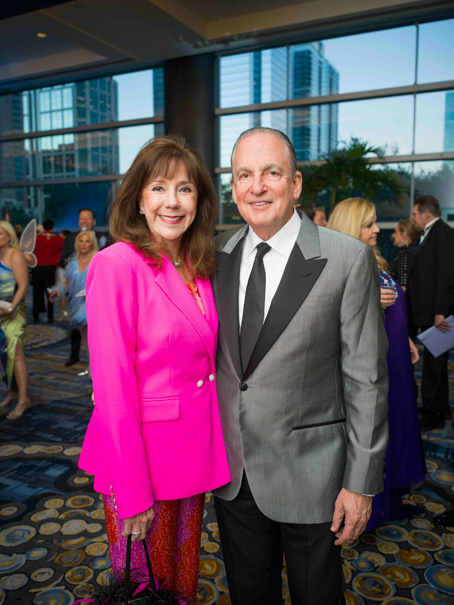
pixel 297 281
pixel 226 287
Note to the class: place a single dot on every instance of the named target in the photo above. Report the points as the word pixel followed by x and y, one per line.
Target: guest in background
pixel 405 462
pixel 404 237
pixel 320 217
pixel 87 222
pixel 47 251
pixel 86 246
pixel 13 287
pixel 308 210
pixel 154 442
pixel 430 295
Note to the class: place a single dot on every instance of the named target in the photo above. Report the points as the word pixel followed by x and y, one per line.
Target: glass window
pixel 61 203
pixel 359 62
pixel 232 126
pixel 19 204
pixel 434 122
pixel 130 141
pixel 436 44
pixel 437 178
pixel 125 97
pixel 136 94
pixel 229 214
pixel 386 123
pixel 257 77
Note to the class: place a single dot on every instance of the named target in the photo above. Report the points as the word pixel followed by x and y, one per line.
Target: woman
pixel 405 463
pixel 13 287
pixel 404 238
pixel 154 442
pixel 86 246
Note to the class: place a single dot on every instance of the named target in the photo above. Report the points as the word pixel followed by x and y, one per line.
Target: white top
pixel 274 261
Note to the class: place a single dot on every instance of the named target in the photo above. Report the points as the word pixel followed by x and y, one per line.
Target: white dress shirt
pixel 427 229
pixel 274 261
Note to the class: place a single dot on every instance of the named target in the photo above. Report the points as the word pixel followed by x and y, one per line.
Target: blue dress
pixel 405 461
pixel 76 304
pixel 11 326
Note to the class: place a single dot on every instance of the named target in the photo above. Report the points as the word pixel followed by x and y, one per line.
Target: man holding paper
pixel 430 299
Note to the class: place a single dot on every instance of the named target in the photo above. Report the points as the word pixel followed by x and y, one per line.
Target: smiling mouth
pixel 171 220
pixel 259 204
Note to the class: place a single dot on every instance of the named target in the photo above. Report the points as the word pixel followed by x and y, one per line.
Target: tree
pixel 347 172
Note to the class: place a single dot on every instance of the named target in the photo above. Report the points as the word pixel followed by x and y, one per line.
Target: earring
pixel 141 212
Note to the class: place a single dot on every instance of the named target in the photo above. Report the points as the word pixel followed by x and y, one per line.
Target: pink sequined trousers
pixel 173 543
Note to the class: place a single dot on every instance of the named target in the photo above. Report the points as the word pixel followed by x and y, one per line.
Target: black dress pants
pixel 253 547
pixel 434 384
pixel 43 277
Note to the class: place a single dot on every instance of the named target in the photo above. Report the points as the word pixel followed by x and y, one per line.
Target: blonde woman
pixel 405 462
pixel 13 287
pixel 404 238
pixel 86 246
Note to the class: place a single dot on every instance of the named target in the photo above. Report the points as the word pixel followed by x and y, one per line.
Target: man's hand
pixel 441 323
pixel 354 509
pixel 413 351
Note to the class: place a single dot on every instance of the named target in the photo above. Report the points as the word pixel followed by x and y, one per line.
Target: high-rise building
pixel 449 122
pixel 313 129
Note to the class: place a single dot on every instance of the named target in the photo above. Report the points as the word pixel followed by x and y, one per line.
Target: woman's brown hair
pixel 161 158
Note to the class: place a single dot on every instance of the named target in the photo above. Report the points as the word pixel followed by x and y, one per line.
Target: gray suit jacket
pixel 309 416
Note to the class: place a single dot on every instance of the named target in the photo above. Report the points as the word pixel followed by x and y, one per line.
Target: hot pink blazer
pixel 155 432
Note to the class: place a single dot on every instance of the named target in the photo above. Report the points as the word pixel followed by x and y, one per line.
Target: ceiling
pixel 88 38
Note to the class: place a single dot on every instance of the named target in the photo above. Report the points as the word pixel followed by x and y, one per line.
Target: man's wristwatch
pixel 10 310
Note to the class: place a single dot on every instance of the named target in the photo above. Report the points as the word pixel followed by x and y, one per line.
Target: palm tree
pixel 347 172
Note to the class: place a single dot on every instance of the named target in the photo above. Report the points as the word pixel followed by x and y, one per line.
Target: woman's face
pixel 398 238
pixel 170 206
pixel 369 232
pixel 4 239
pixel 85 244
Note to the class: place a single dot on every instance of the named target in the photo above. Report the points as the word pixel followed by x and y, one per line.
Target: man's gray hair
pixel 277 133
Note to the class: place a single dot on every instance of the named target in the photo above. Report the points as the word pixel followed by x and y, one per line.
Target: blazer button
pixel 200 383
pixel 211 377
pixel 243 386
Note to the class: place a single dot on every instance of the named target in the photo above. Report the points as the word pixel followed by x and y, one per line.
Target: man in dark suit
pixel 301 382
pixel 87 222
pixel 430 290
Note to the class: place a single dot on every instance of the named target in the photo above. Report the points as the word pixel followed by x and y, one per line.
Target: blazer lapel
pixel 302 271
pixel 225 287
pixel 173 286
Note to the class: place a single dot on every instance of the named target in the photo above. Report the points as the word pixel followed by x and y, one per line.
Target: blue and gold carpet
pixel 53 545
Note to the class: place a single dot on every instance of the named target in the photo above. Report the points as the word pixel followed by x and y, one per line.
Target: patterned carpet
pixel 53 546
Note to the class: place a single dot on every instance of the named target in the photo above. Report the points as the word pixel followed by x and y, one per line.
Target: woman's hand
pixel 387 297
pixel 413 351
pixel 4 311
pixel 53 295
pixel 138 525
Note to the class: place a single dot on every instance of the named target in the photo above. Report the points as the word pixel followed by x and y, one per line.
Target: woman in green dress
pixel 13 287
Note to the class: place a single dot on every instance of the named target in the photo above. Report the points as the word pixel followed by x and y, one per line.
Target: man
pixel 320 217
pixel 303 405
pixel 47 251
pixel 430 287
pixel 87 222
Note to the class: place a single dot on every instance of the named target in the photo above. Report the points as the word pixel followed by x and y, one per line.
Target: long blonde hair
pixel 93 239
pixel 350 215
pixel 9 230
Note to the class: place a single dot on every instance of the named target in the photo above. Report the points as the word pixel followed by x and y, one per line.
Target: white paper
pixel 436 341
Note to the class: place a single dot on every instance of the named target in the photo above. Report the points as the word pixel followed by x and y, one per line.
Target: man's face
pixel 320 218
pixel 86 221
pixel 420 219
pixel 263 187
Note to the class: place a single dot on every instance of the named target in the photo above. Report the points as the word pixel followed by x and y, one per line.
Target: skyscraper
pixel 449 122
